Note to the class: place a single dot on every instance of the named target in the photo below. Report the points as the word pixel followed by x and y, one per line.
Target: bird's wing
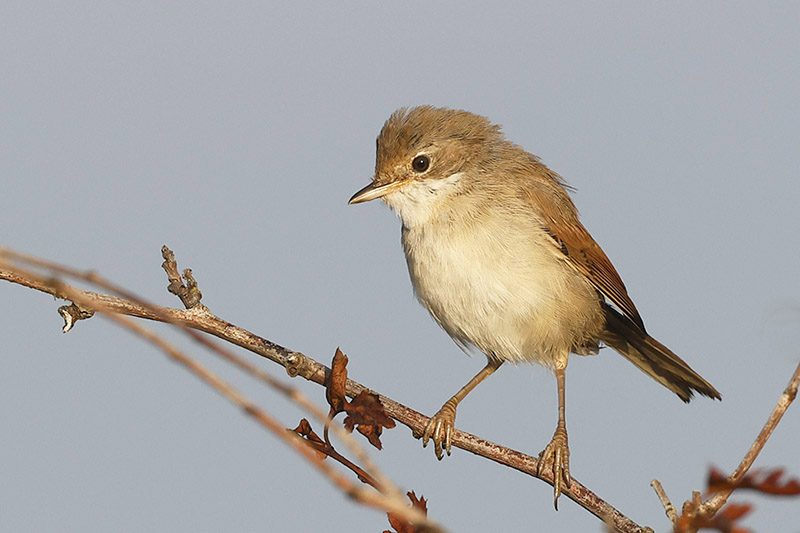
pixel 581 251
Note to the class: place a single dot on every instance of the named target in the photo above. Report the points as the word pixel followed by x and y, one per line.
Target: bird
pixel 498 256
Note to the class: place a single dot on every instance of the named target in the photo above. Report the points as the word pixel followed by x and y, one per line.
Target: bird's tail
pixel 653 358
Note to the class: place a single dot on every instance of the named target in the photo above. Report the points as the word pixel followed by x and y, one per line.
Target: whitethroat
pixel 497 255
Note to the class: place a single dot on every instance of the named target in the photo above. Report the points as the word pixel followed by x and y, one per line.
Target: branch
pixel 696 512
pixel 297 364
pixel 388 498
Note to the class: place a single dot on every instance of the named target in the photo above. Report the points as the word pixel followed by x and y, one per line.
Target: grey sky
pixel 236 134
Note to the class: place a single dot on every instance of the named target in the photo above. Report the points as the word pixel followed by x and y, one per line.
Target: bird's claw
pixel 440 430
pixel 558 449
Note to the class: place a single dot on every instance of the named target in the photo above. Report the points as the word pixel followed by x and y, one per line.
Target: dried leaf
pixel 767 481
pixel 735 511
pixel 336 383
pixel 314 441
pixel 716 481
pixel 366 412
pixel 400 525
pixel 420 503
pixel 366 409
pixel 373 434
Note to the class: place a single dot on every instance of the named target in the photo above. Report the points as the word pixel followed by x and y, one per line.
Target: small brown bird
pixel 497 255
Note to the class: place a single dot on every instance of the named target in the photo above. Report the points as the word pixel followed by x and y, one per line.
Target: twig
pixel 695 511
pixel 189 293
pixel 672 513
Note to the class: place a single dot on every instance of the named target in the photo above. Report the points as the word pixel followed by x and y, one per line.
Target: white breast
pixel 493 282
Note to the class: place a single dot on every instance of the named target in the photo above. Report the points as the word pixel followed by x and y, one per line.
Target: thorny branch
pixel 296 364
pixel 197 317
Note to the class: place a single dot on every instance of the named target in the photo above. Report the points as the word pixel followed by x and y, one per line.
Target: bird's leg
pixel 440 426
pixel 558 448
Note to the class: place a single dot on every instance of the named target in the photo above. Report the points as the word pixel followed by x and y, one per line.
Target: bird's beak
pixel 372 191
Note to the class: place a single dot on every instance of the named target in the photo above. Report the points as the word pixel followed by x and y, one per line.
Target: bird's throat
pixel 419 200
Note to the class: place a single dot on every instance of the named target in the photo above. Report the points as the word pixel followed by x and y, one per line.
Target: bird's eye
pixel 421 163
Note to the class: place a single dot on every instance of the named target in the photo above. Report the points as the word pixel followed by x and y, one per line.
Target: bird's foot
pixel 558 450
pixel 440 429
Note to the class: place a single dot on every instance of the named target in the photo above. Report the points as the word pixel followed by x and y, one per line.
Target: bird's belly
pixel 513 300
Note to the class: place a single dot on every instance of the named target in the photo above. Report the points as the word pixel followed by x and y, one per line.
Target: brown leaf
pixel 767 481
pixel 317 444
pixel 716 481
pixel 336 383
pixel 398 525
pixel 366 412
pixel 420 503
pixel 735 511
pixel 366 408
pixel 373 434
pixel 402 526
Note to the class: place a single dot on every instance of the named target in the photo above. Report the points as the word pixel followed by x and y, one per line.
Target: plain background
pixel 236 132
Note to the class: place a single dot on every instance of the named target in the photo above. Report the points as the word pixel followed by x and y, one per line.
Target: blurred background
pixel 236 132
